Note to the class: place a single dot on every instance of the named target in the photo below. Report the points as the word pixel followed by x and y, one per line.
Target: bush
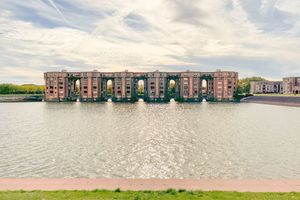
pixel 171 191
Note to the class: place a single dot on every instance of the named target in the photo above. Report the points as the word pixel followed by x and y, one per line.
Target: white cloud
pixel 139 36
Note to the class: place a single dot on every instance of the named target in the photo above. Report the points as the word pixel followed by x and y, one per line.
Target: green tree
pixel 109 90
pixel 172 89
pixel 140 89
pixel 7 88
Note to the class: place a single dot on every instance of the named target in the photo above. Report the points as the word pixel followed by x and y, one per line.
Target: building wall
pixel 123 86
pixel 263 87
pixel 190 86
pixel 56 85
pixel 61 86
pixel 156 85
pixel 225 84
pixel 291 85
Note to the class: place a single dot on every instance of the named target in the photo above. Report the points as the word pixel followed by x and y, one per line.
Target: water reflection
pixel 149 140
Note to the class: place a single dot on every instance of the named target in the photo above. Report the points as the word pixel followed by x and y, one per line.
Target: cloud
pixel 136 22
pixel 252 37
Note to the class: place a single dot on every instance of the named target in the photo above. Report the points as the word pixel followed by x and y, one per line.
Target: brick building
pixel 122 86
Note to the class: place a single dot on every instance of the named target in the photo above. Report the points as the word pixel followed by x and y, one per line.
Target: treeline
pixel 21 89
pixel 244 84
pixel 243 87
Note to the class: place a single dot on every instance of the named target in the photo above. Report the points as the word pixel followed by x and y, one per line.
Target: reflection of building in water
pixel 124 86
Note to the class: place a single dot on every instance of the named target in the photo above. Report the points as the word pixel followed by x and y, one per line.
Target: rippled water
pixel 144 140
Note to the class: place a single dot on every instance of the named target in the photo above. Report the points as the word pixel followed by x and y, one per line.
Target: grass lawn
pixel 133 195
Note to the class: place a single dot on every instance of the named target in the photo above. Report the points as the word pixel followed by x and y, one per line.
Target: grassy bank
pixel 136 195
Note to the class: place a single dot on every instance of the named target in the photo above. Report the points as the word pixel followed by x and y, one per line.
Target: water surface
pixel 144 140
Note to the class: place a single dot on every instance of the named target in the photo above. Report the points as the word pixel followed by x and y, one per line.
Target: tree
pixel 21 89
pixel 140 89
pixel 109 90
pixel 172 89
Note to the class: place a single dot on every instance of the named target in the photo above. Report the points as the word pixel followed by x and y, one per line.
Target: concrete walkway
pixel 151 184
pixel 274 100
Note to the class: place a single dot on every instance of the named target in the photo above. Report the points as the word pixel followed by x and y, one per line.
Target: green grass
pixel 139 195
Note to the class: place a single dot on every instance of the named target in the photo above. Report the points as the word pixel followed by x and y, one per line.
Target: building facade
pixel 123 86
pixel 291 85
pixel 264 87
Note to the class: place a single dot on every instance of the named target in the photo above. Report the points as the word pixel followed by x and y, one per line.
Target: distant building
pixel 264 87
pixel 291 85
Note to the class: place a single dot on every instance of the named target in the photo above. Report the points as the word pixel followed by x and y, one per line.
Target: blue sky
pixel 253 37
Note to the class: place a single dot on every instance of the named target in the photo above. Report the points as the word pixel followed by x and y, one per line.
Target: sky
pixel 252 37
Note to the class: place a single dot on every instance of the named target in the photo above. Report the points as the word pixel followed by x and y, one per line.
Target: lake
pixel 148 140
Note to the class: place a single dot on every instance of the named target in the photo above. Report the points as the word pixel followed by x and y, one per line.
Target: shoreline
pixel 21 98
pixel 260 185
pixel 292 101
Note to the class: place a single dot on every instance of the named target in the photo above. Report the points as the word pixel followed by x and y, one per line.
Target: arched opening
pixel 204 87
pixel 77 89
pixel 109 88
pixel 141 88
pixel 172 90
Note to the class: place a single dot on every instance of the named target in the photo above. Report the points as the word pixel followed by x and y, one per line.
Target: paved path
pixel 151 184
pixel 274 100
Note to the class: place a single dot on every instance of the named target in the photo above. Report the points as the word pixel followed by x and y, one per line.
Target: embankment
pixel 274 100
pixel 150 184
pixel 21 98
